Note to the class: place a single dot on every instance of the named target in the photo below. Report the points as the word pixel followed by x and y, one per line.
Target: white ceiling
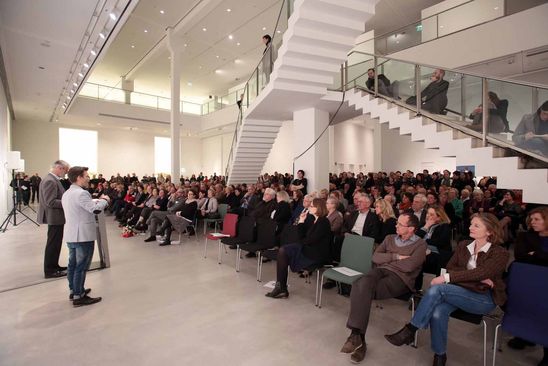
pixel 148 65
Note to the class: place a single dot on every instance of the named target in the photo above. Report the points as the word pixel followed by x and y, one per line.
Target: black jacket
pixel 282 214
pixel 263 209
pixel 441 237
pixel 530 242
pixel 387 227
pixel 316 240
pixel 371 226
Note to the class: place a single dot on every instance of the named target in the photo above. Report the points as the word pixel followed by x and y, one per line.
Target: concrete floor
pixel 170 306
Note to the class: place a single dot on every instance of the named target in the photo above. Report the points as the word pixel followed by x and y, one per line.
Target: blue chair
pixel 526 313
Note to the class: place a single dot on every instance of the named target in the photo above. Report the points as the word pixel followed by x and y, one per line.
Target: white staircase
pixel 533 182
pixel 320 33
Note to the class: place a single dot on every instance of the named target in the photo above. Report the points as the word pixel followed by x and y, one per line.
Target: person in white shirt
pixel 80 232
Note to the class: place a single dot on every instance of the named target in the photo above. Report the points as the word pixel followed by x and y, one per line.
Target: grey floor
pixel 170 306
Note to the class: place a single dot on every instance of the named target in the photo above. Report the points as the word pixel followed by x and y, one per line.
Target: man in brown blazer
pixel 50 212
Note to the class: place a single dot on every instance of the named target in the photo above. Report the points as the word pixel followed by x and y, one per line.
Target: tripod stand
pixel 16 209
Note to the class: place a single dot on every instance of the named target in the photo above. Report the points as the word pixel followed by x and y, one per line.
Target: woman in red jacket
pixel 473 283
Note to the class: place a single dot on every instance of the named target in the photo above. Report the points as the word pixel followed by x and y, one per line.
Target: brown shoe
pixel 359 354
pixel 403 336
pixel 352 342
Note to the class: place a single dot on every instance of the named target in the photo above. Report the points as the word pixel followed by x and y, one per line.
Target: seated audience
pixel 495 123
pixel 387 220
pixel 160 204
pixel 398 261
pixel 532 131
pixel 312 250
pixel 282 211
pixel 264 209
pixel 175 203
pixel 434 96
pixel 209 209
pixel 180 220
pixel 473 283
pixel 418 208
pixel 508 212
pixel 384 83
pixel 334 216
pixel 406 202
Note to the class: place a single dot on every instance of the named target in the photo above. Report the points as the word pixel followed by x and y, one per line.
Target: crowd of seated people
pixel 414 219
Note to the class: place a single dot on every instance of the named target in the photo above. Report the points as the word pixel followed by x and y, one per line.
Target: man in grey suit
pixel 50 212
pixel 80 232
pixel 157 217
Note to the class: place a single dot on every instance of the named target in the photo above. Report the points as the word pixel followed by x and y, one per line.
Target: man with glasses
pixel 50 212
pixel 398 261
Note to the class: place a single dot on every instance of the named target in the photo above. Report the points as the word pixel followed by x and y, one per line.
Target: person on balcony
pixel 384 83
pixel 532 132
pixel 495 123
pixel 434 96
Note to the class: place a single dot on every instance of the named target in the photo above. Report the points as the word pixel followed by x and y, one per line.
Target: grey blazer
pixel 50 210
pixel 79 207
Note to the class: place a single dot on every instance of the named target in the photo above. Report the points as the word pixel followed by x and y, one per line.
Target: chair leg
pixel 205 248
pixel 317 285
pixel 495 341
pixel 220 252
pixel 484 324
pixel 260 274
pixel 238 250
pixel 259 260
pixel 320 297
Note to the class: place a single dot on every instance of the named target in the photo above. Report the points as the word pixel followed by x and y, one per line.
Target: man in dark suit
pixel 50 212
pixel 434 96
pixel 418 208
pixel 363 221
pixel 35 187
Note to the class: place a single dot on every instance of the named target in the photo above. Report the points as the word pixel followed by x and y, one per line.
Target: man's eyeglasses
pixel 402 225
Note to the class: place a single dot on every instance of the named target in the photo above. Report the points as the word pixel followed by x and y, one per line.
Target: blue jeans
pixel 80 255
pixel 437 305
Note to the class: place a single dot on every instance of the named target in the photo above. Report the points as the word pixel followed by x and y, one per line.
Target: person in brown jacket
pixel 473 283
pixel 398 261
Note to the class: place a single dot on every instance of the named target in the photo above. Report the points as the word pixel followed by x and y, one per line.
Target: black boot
pixel 439 360
pixel 278 292
pixel 405 335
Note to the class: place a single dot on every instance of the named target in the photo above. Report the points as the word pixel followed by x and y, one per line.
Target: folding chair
pixel 229 231
pixel 266 231
pixel 222 209
pixel 245 233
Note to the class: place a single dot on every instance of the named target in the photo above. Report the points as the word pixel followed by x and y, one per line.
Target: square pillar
pixel 308 125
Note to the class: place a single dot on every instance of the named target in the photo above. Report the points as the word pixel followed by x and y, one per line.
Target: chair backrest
pixel 526 313
pixel 266 233
pixel 229 224
pixel 356 252
pixel 222 209
pixel 246 229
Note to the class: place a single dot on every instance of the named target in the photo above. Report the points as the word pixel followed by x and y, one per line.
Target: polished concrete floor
pixel 171 306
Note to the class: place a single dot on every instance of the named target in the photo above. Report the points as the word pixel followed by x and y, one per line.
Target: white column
pixel 308 124
pixel 175 50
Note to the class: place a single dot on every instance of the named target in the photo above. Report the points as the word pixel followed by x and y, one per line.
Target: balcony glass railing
pixel 113 94
pixel 460 17
pixel 510 103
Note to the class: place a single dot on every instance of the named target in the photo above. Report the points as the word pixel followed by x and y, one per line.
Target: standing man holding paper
pixel 51 212
pixel 80 232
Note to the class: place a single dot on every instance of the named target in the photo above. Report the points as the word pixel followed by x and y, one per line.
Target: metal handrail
pixel 267 53
pixel 439 118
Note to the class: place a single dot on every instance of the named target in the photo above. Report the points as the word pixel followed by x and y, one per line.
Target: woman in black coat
pixel 437 234
pixel 313 248
pixel 282 213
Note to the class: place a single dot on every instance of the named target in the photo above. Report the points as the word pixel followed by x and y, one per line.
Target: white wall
pixel 4 148
pixel 281 156
pixel 400 153
pixel 215 152
pixel 504 36
pixel 353 147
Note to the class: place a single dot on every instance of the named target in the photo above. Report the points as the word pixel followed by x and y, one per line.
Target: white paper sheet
pixel 347 271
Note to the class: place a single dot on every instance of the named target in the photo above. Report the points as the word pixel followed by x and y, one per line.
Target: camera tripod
pixel 16 209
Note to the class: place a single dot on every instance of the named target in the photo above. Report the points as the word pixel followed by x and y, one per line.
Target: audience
pixel 387 220
pixel 532 131
pixel 180 220
pixel 434 96
pixel 334 216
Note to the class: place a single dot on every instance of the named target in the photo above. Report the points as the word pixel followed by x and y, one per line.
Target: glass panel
pixel 468 15
pixel 89 90
pixel 357 74
pixel 406 37
pixel 192 108
pixel 401 76
pixel 472 105
pixel 144 100
pixel 111 94
pixel 164 103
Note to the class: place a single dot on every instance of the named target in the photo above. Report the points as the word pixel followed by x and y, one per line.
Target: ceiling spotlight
pixel 217 56
pixel 98 124
pixel 64 106
pixel 231 37
pixel 237 44
pixel 189 83
pixel 264 28
pixel 146 30
pixel 86 65
pixel 162 12
pixel 496 8
pixel 218 71
pixel 72 90
pixel 228 10
pixel 76 85
pixel 68 97
pixel 80 74
pixel 112 16
pixel 204 29
pixel 93 53
pixel 200 67
pixel 102 35
pixel 279 31
pixel 185 45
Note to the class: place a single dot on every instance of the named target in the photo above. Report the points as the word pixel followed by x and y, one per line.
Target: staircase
pixel 319 36
pixel 533 182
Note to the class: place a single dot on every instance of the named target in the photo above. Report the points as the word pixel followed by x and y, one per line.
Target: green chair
pixel 222 209
pixel 356 254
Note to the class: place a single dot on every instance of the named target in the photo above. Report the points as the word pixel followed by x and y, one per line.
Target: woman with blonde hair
pixel 473 283
pixel 334 216
pixel 386 215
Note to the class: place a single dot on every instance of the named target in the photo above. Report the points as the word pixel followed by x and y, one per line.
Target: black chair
pixel 289 235
pixel 266 239
pixel 245 232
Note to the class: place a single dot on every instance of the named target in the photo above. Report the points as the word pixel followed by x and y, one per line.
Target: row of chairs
pixel 525 314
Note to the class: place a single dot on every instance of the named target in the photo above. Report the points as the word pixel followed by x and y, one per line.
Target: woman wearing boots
pixel 473 283
pixel 313 248
pixel 180 220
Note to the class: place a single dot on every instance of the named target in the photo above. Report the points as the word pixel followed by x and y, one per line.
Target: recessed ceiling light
pixel 217 56
pixel 279 31
pixel 237 44
pixel 86 65
pixel 112 16
pixel 76 85
pixel 228 10
pixel 264 28
pixel 93 53
pixel 80 74
pixel 441 26
pixel 102 35
pixel 63 106
pixel 98 124
pixel 204 29
pixel 199 67
pixel 185 45
pixel 68 97
pixel 496 8
pixel 230 36
pixel 72 90
pixel 162 12
pixel 189 83
pixel 132 46
pixel 169 57
pixel 146 30
pixel 218 71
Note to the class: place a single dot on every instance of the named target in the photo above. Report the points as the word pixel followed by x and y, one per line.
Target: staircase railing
pixel 261 74
pixel 510 102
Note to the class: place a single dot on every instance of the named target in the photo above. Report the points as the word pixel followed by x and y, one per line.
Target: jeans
pixel 437 305
pixel 80 255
